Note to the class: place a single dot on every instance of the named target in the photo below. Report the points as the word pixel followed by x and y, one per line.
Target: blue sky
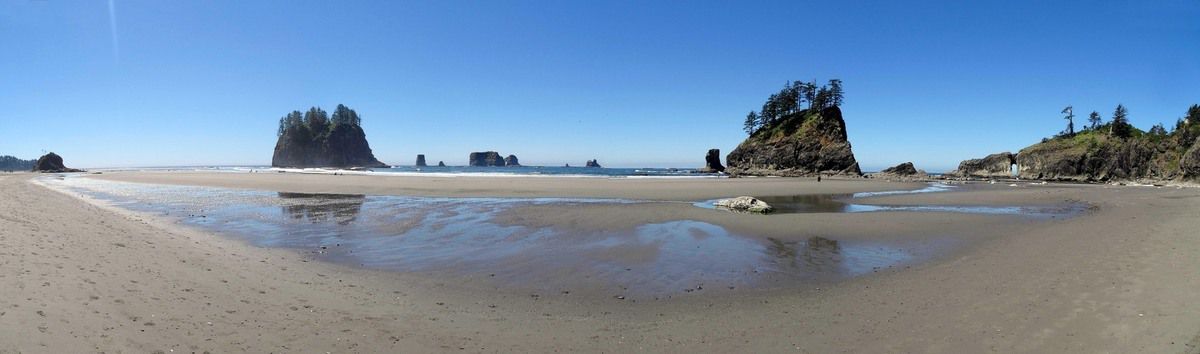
pixel 631 83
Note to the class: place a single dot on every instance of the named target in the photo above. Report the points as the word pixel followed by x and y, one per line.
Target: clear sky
pixel 631 83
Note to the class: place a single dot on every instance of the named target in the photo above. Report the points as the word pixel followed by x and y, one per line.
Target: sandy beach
pixel 1121 277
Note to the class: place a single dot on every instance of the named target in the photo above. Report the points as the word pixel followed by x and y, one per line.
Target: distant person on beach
pixel 818 178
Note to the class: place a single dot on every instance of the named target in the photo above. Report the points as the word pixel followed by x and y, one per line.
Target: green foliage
pixel 1070 117
pixel 316 122
pixel 1094 119
pixel 1120 123
pixel 790 100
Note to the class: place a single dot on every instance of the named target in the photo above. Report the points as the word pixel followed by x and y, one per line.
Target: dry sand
pixel 78 277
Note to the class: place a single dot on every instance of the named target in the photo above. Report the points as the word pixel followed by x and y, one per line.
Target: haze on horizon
pixel 144 83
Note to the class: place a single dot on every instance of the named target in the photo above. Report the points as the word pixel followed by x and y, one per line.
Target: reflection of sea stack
pixel 421 160
pixel 340 208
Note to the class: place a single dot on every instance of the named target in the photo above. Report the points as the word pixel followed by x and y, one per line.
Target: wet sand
pixel 1120 278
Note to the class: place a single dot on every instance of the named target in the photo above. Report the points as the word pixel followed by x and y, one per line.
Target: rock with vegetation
pixel 52 163
pixel 787 139
pixel 486 159
pixel 712 162
pixel 11 163
pixel 421 160
pixel 590 163
pixel 1117 151
pixel 997 165
pixel 511 160
pixel 313 139
pixel 744 204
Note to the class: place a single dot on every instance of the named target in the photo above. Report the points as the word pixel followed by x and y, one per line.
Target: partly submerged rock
pixel 991 166
pixel 485 159
pixel 511 160
pixel 421 160
pixel 591 163
pixel 52 163
pixel 744 204
pixel 804 143
pixel 712 162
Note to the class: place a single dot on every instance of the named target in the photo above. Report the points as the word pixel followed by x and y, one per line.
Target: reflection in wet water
pixel 459 237
pixel 318 208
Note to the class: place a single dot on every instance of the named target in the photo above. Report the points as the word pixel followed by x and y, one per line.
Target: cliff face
pixel 421 161
pixel 485 159
pixel 1097 156
pixel 804 143
pixel 991 166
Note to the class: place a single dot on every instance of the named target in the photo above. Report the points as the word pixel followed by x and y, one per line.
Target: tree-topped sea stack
pixel 787 139
pixel 314 139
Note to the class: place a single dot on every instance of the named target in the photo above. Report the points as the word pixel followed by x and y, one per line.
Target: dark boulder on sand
pixel 805 143
pixel 485 159
pixel 52 163
pixel 511 160
pixel 592 163
pixel 421 160
pixel 712 162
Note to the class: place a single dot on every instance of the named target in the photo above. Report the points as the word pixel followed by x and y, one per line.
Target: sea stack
pixel 807 142
pixel 421 160
pixel 52 163
pixel 592 163
pixel 486 159
pixel 712 162
pixel 313 139
pixel 511 160
pixel 441 164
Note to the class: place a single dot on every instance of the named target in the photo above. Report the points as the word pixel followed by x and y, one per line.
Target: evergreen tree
pixel 316 119
pixel 1120 123
pixel 1070 117
pixel 751 124
pixel 835 93
pixel 1094 119
pixel 344 115
pixel 822 100
pixel 1158 130
pixel 810 93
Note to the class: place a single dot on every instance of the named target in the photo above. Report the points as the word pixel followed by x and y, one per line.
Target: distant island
pixel 788 138
pixel 314 139
pixel 11 163
pixel 1102 151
